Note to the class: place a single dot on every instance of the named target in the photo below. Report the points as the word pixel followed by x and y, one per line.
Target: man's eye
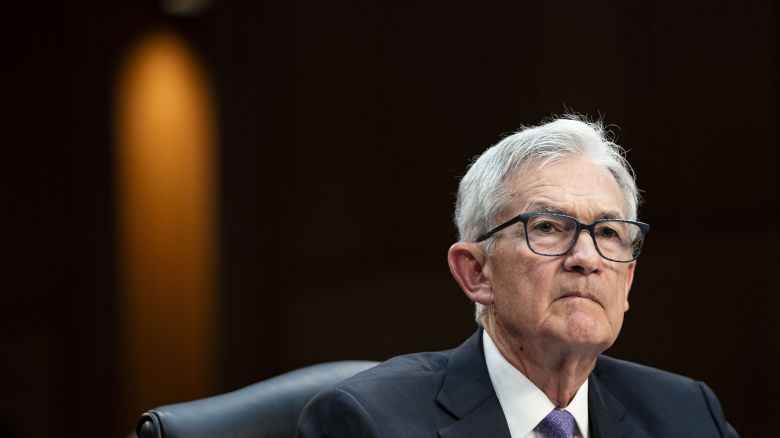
pixel 545 227
pixel 607 233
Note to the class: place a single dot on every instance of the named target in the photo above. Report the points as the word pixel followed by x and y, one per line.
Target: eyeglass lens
pixel 554 235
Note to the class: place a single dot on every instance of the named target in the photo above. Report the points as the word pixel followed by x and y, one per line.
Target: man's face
pixel 576 300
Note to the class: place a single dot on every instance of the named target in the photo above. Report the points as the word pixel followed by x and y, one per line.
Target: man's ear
pixel 629 281
pixel 467 264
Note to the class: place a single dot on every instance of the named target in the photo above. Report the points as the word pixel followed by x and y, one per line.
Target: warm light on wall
pixel 167 226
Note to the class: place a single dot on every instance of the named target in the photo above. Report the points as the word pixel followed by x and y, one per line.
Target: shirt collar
pixel 523 403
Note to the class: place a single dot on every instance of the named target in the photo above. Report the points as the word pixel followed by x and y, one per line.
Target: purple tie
pixel 557 424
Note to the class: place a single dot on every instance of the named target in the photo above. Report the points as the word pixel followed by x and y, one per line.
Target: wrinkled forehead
pixel 575 185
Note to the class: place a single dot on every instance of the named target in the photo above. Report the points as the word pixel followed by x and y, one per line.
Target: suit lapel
pixel 605 411
pixel 467 393
pixel 486 420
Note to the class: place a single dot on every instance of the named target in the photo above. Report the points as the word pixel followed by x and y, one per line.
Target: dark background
pixel 343 129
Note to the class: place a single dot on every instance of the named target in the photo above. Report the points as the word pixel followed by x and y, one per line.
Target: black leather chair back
pixel 268 409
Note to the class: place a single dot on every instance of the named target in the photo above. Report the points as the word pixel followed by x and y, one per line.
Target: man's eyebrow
pixel 543 207
pixel 610 215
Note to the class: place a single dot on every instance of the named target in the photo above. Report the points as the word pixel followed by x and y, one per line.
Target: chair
pixel 268 409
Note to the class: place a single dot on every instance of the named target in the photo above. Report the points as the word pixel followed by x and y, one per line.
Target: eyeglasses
pixel 551 234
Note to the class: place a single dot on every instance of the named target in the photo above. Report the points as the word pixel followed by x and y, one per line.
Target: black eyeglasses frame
pixel 524 217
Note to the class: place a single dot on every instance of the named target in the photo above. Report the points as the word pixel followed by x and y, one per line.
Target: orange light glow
pixel 167 224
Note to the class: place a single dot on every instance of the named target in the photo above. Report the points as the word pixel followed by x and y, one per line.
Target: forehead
pixel 575 185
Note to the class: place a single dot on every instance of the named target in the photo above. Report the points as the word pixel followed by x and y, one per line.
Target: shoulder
pixel 629 379
pixel 651 393
pixel 418 373
pixel 394 398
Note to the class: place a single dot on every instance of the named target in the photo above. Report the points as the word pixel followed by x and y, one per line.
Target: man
pixel 547 251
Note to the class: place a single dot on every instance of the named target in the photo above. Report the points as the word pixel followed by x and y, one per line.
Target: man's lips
pixel 580 294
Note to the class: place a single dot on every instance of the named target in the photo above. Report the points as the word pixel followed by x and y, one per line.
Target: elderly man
pixel 548 248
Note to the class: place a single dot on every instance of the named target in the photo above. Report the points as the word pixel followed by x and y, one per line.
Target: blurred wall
pixel 343 129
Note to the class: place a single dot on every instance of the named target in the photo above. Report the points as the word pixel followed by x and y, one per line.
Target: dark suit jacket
pixel 449 394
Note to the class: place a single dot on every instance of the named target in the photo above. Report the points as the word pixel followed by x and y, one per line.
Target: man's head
pixel 566 166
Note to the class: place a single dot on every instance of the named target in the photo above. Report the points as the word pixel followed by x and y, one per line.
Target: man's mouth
pixel 580 294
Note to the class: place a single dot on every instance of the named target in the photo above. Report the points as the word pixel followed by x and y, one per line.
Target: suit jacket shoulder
pixel 447 394
pixel 628 399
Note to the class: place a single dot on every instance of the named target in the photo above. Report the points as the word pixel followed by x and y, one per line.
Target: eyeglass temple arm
pixel 495 230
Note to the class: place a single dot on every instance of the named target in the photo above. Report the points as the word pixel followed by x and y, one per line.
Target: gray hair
pixel 483 191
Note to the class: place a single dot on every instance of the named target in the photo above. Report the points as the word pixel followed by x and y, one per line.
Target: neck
pixel 558 371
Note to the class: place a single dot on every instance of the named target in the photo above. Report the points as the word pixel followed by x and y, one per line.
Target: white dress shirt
pixel 523 403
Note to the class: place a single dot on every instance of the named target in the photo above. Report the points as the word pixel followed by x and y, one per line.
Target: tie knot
pixel 557 424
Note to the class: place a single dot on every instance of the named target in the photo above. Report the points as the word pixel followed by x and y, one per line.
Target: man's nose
pixel 583 256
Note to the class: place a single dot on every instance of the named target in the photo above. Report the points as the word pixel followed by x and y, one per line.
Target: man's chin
pixel 582 330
